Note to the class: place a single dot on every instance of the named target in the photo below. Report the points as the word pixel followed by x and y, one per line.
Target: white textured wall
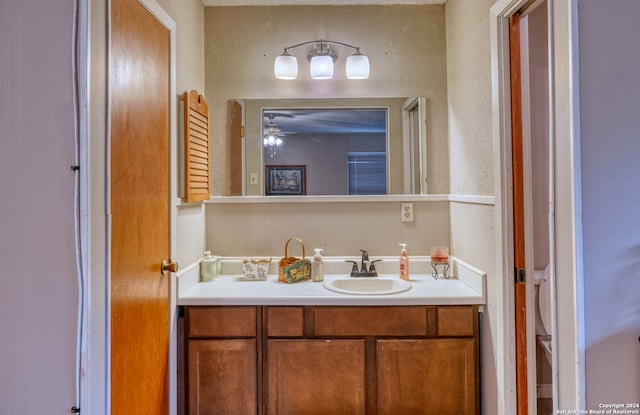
pixel 189 18
pixel 405 45
pixel 190 74
pixel 38 298
pixel 610 147
pixel 469 97
pixel 471 169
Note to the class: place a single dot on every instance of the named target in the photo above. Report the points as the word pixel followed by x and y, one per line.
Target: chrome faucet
pixel 367 267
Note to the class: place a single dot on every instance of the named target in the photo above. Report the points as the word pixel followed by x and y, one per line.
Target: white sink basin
pixel 367 285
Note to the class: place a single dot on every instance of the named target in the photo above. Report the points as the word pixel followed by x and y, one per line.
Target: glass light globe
pixel 357 66
pixel 286 66
pixel 321 67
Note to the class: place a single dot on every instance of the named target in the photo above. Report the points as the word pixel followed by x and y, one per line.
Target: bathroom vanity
pixel 272 348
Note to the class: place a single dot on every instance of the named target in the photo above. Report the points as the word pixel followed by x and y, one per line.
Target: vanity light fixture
pixel 321 58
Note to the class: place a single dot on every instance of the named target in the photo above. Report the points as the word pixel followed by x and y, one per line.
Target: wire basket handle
pixel 286 247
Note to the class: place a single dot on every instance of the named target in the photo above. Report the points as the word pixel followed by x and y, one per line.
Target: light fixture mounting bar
pixel 323 42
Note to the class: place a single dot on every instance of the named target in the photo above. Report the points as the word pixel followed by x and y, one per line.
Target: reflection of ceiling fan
pixel 272 133
pixel 272 136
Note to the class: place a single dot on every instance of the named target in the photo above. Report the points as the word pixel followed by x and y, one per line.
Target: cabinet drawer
pixel 455 321
pixel 370 321
pixel 285 321
pixel 221 321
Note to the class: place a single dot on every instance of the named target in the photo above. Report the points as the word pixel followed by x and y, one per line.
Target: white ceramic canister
pixel 209 267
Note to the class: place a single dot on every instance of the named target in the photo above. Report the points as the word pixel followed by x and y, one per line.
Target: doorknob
pixel 168 266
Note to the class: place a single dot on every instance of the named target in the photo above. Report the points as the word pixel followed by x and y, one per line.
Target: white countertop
pixel 466 287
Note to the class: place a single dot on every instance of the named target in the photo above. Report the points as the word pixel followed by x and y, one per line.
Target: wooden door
pixel 427 376
pixel 517 162
pixel 316 377
pixel 139 182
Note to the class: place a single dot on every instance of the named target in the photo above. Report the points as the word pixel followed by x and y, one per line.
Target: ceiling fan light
pixel 357 66
pixel 286 66
pixel 321 67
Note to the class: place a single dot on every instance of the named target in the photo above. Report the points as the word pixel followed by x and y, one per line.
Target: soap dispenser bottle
pixel 209 267
pixel 404 263
pixel 317 266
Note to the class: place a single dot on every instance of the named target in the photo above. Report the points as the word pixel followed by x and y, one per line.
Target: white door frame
pixel 94 54
pixel 419 105
pixel 565 208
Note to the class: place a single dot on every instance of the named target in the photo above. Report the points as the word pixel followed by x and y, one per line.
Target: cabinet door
pixel 222 377
pixel 427 377
pixel 320 377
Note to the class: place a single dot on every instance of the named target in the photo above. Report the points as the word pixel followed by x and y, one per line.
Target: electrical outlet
pixel 407 212
pixel 253 179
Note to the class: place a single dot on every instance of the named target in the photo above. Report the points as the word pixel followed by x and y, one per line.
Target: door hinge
pixel 520 275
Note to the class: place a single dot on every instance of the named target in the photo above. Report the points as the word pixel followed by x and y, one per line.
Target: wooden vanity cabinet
pixel 309 376
pixel 342 360
pixel 222 352
pixel 426 376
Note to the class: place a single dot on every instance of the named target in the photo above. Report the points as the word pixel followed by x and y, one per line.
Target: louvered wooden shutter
pixel 196 147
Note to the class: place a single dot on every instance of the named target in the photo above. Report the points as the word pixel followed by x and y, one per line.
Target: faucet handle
pixel 372 267
pixel 354 268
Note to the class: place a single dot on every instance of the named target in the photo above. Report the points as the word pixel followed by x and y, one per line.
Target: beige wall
pixel 405 45
pixel 189 18
pixel 469 97
pixel 473 227
pixel 262 229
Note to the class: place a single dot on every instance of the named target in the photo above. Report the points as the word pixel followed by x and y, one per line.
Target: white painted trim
pixel 418 104
pixel 569 361
pixel 217 3
pixel 330 199
pixel 407 177
pixel 95 382
pixel 503 345
pixel 471 199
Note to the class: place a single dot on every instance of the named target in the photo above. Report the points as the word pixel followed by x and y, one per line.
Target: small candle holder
pixel 445 270
pixel 440 258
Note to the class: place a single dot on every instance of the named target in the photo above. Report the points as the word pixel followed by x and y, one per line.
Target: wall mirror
pixel 352 146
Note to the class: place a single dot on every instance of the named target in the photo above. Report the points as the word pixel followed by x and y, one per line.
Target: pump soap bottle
pixel 317 266
pixel 209 267
pixel 404 263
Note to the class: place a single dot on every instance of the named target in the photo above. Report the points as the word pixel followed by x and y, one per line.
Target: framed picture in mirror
pixel 285 180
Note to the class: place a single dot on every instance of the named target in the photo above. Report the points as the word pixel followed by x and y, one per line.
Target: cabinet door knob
pixel 168 266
